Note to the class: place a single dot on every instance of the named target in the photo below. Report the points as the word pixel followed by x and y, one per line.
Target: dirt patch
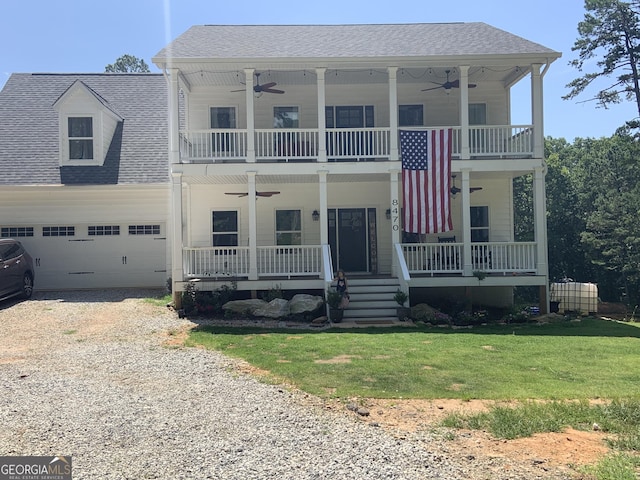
pixel 338 359
pixel 558 450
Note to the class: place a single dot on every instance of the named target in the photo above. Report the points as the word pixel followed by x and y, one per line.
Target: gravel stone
pixel 87 374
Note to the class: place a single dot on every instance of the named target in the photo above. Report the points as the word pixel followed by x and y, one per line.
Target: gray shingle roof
pixel 347 41
pixel 29 135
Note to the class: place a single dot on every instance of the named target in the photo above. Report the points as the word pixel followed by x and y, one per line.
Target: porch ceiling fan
pixel 267 87
pixel 455 190
pixel 258 194
pixel 448 85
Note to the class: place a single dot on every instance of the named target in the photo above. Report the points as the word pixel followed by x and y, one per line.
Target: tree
pixel 128 64
pixel 610 28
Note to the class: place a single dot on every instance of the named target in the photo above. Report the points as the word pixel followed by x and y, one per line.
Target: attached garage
pixel 97 256
pixel 85 184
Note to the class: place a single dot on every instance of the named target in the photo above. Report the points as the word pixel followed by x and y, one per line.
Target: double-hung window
pixel 225 228
pixel 80 131
pixel 479 224
pixel 410 115
pixel 288 227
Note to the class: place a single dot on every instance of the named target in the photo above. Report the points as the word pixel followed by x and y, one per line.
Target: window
pixel 479 224
pixel 477 114
pixel 225 228
pixel 144 229
pixel 410 116
pixel 8 252
pixel 288 227
pixel 349 117
pixel 58 231
pixel 12 232
pixel 285 117
pixel 80 138
pixel 99 230
pixel 222 118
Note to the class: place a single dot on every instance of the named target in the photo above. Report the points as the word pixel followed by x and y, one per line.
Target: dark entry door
pixel 348 239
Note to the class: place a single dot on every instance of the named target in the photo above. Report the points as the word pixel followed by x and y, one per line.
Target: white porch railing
pixel 290 261
pixel 272 261
pixel 358 142
pixel 500 141
pixel 212 144
pixel 489 257
pixel 215 262
pixel 279 143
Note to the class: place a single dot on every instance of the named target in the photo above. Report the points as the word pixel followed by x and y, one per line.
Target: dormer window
pixel 87 124
pixel 80 138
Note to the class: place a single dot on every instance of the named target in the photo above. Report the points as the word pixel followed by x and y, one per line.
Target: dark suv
pixel 16 270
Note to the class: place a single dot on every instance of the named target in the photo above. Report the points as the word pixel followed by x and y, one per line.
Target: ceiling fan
pixel 258 194
pixel 455 190
pixel 267 87
pixel 448 85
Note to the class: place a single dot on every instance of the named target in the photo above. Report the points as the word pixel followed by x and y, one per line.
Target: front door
pixel 348 239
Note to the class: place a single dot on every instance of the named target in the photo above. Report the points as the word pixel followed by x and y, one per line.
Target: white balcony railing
pixel 212 144
pixel 489 257
pixel 358 143
pixel 498 141
pixel 279 143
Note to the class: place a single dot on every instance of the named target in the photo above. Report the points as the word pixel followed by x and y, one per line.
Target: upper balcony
pixel 343 144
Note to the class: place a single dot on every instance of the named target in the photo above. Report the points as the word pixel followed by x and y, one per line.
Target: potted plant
pixel 335 312
pixel 401 298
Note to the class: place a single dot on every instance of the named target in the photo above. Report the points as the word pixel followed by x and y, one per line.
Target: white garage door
pixel 96 255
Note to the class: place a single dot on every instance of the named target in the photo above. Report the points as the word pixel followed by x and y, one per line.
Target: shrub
pixel 195 302
pixel 272 294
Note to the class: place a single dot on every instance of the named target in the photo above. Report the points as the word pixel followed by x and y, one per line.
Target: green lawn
pixel 582 359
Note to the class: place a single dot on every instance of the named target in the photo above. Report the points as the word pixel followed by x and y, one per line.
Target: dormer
pixel 86 126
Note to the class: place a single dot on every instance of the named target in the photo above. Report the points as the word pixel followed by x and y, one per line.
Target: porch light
pixel 315 215
pixel 388 213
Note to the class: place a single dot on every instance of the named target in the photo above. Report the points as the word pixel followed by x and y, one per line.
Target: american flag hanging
pixel 426 177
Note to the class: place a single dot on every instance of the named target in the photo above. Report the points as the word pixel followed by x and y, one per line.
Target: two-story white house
pixel 286 160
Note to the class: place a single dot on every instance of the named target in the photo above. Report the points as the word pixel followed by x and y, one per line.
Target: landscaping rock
pixel 244 306
pixel 276 308
pixel 303 303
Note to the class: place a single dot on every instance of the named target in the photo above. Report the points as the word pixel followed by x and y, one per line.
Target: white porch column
pixel 251 128
pixel 322 125
pixel 537 111
pixel 174 234
pixel 253 228
pixel 393 113
pixel 324 205
pixel 174 224
pixel 394 205
pixel 540 226
pixel 464 112
pixel 466 223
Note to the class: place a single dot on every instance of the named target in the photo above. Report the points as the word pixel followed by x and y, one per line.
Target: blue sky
pixel 87 35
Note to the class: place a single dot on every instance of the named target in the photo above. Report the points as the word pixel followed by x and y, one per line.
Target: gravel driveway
pixel 87 374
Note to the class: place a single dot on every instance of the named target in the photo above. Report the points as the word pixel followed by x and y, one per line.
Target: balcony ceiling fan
pixel 258 194
pixel 448 85
pixel 267 87
pixel 455 190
